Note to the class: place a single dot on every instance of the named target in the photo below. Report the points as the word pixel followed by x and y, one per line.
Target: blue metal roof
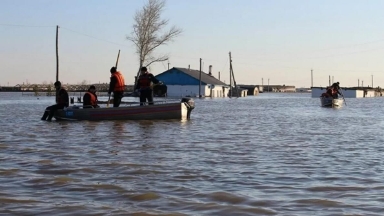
pixel 185 76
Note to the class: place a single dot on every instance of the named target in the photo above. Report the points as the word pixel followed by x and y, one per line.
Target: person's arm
pixel 97 102
pixel 112 84
pixel 153 79
pixel 137 84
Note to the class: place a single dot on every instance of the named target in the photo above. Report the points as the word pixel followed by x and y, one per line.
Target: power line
pixel 29 26
pixel 93 37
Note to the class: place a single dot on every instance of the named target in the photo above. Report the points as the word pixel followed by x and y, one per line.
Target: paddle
pixel 117 61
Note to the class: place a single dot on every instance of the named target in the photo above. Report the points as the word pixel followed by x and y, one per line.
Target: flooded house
pixel 185 82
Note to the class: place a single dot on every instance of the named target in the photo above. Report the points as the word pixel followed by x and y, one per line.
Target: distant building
pixel 183 82
pixel 252 89
pixel 303 90
pixel 354 92
pixel 238 92
pixel 279 88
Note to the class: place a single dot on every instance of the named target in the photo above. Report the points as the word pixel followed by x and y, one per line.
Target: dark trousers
pixel 117 96
pixel 50 111
pixel 146 95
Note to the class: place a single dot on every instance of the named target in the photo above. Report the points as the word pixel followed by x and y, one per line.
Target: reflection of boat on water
pixel 331 102
pixel 159 111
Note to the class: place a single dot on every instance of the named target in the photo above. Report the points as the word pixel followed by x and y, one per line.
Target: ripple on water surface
pixel 274 154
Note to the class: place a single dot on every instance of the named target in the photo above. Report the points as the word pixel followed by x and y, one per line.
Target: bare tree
pixel 84 82
pixel 148 32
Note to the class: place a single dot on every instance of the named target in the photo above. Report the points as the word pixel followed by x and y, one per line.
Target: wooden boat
pixel 331 102
pixel 159 111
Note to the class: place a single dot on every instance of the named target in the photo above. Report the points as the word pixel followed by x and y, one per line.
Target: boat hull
pixel 179 110
pixel 331 102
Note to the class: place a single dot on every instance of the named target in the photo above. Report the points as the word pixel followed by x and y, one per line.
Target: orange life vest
pixel 145 81
pixel 93 98
pixel 120 84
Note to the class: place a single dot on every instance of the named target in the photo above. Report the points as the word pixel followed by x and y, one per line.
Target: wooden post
pixel 57 59
pixel 200 80
pixel 117 60
pixel 57 53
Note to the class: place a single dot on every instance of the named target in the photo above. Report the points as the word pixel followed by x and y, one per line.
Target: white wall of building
pixel 184 90
pixel 216 91
pixel 316 92
pixel 193 91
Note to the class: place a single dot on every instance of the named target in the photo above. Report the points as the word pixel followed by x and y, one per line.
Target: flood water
pixel 273 154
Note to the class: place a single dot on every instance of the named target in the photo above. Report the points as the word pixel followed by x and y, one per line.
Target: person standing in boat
pixel 117 86
pixel 144 86
pixel 62 101
pixel 90 98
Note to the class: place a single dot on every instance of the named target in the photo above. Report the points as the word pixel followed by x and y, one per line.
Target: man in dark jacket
pixel 117 86
pixel 90 98
pixel 62 100
pixel 144 86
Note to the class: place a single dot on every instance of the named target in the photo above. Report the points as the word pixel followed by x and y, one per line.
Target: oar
pixel 117 61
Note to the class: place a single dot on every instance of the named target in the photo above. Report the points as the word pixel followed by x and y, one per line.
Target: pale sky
pixel 279 40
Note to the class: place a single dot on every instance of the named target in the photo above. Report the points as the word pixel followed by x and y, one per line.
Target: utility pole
pixel 362 83
pixel 233 76
pixel 230 74
pixel 372 80
pixel 268 84
pixel 311 78
pixel 57 53
pixel 57 59
pixel 358 82
pixel 219 75
pixel 200 80
pixel 329 80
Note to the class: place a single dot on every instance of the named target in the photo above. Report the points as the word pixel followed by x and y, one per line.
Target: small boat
pixel 331 102
pixel 160 110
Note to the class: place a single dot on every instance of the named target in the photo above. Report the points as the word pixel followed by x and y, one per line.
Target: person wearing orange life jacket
pixel 90 98
pixel 62 101
pixel 117 86
pixel 144 86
